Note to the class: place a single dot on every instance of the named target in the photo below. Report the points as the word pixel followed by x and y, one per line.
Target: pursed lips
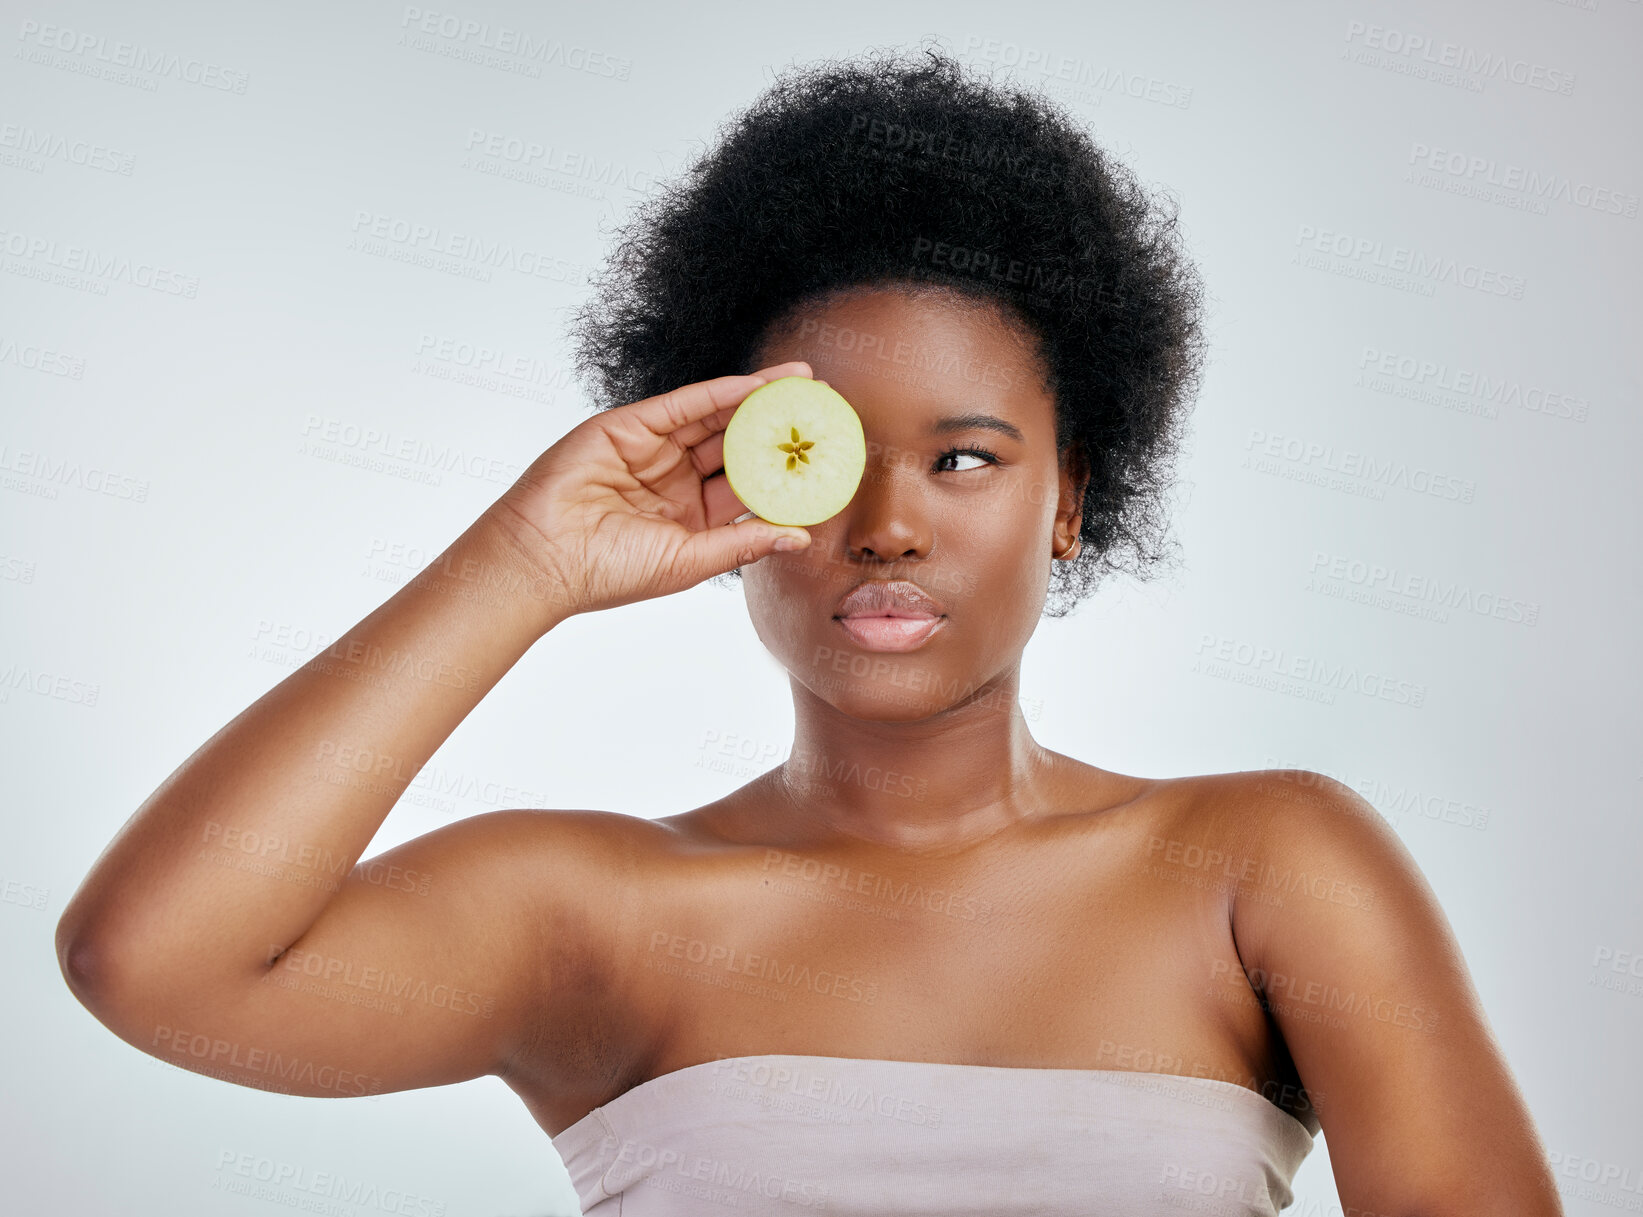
pixel 889 615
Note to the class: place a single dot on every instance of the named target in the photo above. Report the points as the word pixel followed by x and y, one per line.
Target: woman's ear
pixel 1075 480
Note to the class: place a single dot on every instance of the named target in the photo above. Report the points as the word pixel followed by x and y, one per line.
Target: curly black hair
pixel 911 172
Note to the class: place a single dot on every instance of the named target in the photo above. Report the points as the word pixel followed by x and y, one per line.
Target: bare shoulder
pixel 604 834
pixel 1278 843
pixel 1296 816
pixel 533 853
pixel 1315 859
pixel 572 861
pixel 1288 809
pixel 1349 947
pixel 555 876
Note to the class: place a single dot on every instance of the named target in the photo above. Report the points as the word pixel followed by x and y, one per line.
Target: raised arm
pixel 249 849
pixel 230 926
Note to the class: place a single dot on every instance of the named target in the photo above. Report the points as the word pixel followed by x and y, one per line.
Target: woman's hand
pixel 633 503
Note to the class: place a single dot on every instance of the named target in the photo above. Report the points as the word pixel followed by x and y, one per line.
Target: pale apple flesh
pixel 794 451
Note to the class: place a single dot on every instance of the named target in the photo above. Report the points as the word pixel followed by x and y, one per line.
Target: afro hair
pixel 887 172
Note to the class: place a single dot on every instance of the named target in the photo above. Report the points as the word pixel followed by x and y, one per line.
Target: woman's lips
pixel 889 633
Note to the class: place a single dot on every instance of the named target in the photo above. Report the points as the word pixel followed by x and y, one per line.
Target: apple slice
pixel 794 451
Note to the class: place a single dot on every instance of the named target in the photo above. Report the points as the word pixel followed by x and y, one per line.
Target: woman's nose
pixel 886 519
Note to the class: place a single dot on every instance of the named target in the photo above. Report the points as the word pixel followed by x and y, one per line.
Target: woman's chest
pixel 1070 949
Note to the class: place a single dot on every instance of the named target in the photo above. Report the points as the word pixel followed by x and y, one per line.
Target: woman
pixel 924 964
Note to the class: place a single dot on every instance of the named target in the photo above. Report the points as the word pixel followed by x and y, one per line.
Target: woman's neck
pixel 929 785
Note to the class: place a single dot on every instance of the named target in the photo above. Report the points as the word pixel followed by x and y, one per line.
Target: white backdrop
pixel 238 361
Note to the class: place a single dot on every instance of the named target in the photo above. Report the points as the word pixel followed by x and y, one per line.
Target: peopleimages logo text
pixel 1413 262
pixel 1479 64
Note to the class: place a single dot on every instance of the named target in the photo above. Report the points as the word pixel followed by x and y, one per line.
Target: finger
pixel 717 550
pixel 717 423
pixel 689 414
pixel 785 369
pixel 719 502
pixel 708 457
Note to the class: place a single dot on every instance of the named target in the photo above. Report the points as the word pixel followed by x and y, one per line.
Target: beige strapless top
pixel 790 1135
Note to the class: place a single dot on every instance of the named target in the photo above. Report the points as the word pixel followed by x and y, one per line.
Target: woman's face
pixel 972 530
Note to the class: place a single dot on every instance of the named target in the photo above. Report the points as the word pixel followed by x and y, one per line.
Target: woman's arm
pixel 1368 986
pixel 227 925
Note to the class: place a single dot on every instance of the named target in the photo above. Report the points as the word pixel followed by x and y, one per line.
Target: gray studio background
pixel 216 343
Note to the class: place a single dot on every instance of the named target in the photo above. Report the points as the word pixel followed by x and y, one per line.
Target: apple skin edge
pixel 795 452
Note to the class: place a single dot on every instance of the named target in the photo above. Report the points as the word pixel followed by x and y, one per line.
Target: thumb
pixel 717 550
